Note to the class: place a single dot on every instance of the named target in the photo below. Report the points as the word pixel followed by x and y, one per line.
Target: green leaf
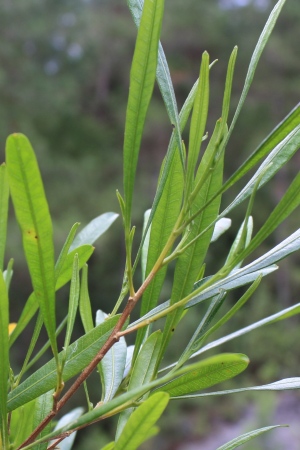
pixel 4 359
pixel 79 355
pixel 73 302
pixel 65 275
pixel 109 446
pixel 33 216
pixel 84 302
pixel 163 77
pixel 207 373
pixel 94 230
pixel 145 245
pixel 141 422
pixel 284 314
pixel 163 223
pixel 65 250
pixel 4 196
pixel 21 424
pixel 190 261
pixel 228 86
pixel 43 406
pixel 112 365
pixel 287 384
pixel 246 437
pixel 285 207
pixel 142 78
pixel 144 366
pixel 279 156
pixel 263 39
pixel 198 121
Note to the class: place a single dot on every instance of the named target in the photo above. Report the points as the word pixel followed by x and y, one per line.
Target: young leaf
pixel 84 302
pixel 79 355
pixel 94 230
pixel 207 373
pixel 142 421
pixel 4 195
pixel 33 215
pixel 4 360
pixel 263 39
pixel 142 78
pixel 112 365
pixel 237 442
pixel 65 250
pixel 144 367
pixel 73 302
pixel 198 121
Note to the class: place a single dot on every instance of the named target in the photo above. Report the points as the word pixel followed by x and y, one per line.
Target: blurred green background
pixel 64 75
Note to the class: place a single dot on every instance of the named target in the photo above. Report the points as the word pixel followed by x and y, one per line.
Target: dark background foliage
pixel 64 75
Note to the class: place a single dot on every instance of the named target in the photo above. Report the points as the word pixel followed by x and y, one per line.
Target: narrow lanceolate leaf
pixel 163 222
pixel 84 302
pixel 4 359
pixel 142 421
pixel 144 367
pixel 207 373
pixel 21 423
pixel 228 86
pixel 79 355
pixel 263 39
pixel 65 250
pixel 289 202
pixel 191 260
pixel 4 195
pixel 112 365
pixel 65 275
pixel 43 406
pixel 287 384
pixel 33 215
pixel 163 77
pixel 284 314
pixel 198 121
pixel 237 442
pixel 279 156
pixel 94 230
pixel 142 78
pixel 73 301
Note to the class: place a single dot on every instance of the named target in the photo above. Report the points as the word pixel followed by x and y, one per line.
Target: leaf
pixel 142 78
pixel 207 373
pixel 33 216
pixel 112 365
pixel 73 302
pixel 65 250
pixel 276 159
pixel 4 359
pixel 263 39
pixel 284 314
pixel 163 77
pixel 4 196
pixel 94 230
pixel 65 275
pixel 79 355
pixel 198 121
pixel 67 443
pixel 141 422
pixel 287 384
pixel 109 446
pixel 144 367
pixel 21 424
pixel 145 246
pixel 84 302
pixel 43 406
pixel 246 437
pixel 164 220
pixel 285 207
pixel 228 86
